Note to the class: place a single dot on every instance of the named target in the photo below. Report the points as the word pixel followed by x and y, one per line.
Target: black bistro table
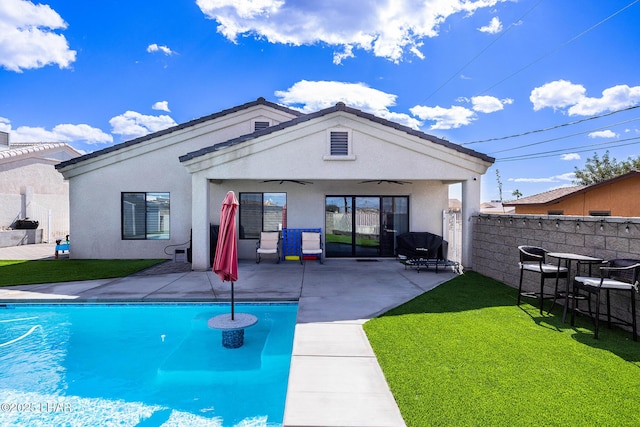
pixel 568 258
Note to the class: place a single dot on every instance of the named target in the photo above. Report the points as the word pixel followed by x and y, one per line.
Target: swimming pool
pixel 142 365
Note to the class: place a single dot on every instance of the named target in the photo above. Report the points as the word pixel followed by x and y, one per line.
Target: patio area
pixel 332 360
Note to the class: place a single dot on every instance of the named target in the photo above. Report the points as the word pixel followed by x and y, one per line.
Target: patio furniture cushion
pixel 604 283
pixel 311 244
pixel 542 268
pixel 269 243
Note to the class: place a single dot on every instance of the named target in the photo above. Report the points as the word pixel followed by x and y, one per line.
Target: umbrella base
pixel 232 330
pixel 233 339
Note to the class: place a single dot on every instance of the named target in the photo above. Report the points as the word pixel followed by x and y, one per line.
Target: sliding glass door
pixel 364 226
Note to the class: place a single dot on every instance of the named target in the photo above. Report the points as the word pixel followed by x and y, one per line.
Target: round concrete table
pixel 232 330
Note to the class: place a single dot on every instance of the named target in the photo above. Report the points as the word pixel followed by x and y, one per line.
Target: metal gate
pixel 452 233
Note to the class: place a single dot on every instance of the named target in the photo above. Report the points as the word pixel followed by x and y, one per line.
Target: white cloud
pixel 558 94
pixel 83 133
pixel 27 37
pixel 60 133
pixel 556 178
pixel 569 176
pixel 156 48
pixel 570 156
pixel 387 29
pixel 347 52
pixel 533 180
pixel 494 27
pixel 5 125
pixel 132 124
pixel 310 96
pixel 161 106
pixel 561 94
pixel 489 104
pixel 444 118
pixel 613 98
pixel 603 134
pixel 457 116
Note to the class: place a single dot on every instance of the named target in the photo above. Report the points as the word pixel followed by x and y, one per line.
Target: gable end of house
pixel 191 123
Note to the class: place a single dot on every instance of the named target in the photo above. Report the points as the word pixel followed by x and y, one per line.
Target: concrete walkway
pixel 335 379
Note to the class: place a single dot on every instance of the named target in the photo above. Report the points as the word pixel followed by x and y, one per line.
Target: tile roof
pixel 20 149
pixel 564 192
pixel 546 197
pixel 259 101
pixel 340 106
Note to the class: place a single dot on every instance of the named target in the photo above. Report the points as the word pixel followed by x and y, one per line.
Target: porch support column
pixel 199 222
pixel 470 207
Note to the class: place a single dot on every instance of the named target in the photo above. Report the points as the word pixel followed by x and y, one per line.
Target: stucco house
pixel 617 196
pixel 30 187
pixel 357 178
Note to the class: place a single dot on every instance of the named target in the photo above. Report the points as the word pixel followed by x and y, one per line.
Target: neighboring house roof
pixel 559 194
pixel 495 207
pixel 20 150
pixel 259 101
pixel 340 106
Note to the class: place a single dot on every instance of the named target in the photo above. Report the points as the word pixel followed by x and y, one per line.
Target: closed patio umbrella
pixel 225 262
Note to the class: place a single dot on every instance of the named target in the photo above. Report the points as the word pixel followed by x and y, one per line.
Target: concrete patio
pixel 334 379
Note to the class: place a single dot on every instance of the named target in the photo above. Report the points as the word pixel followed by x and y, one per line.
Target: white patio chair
pixel 269 244
pixel 311 244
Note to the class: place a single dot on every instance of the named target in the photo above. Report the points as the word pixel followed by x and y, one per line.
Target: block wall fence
pixel 496 238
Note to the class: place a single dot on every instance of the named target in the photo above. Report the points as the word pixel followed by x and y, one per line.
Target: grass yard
pixel 67 270
pixel 465 355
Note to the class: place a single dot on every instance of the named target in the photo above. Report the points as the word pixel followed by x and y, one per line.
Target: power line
pixel 552 127
pixel 455 74
pixel 565 136
pixel 552 153
pixel 571 40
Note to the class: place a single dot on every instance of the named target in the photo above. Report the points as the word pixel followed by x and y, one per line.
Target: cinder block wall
pixel 496 239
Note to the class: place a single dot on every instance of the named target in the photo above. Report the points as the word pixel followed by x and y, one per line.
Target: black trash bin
pixel 26 224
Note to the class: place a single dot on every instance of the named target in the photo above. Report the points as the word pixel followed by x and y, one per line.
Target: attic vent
pixel 260 125
pixel 339 143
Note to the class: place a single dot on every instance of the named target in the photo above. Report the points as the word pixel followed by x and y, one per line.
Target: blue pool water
pixel 142 365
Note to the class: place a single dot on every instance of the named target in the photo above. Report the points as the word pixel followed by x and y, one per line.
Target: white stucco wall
pixel 306 203
pixel 31 187
pixel 197 186
pixel 301 153
pixel 96 185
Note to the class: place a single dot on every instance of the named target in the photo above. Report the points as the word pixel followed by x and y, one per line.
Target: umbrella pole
pixel 232 302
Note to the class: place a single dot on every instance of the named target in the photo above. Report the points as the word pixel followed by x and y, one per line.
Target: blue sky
pixel 563 75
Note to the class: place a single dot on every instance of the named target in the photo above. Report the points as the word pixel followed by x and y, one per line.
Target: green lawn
pixel 464 354
pixel 66 270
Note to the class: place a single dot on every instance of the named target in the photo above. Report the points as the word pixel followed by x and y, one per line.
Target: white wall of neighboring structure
pixel 31 187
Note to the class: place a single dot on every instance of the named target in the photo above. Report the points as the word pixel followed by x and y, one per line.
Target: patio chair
pixel 269 244
pixel 310 245
pixel 533 260
pixel 617 275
